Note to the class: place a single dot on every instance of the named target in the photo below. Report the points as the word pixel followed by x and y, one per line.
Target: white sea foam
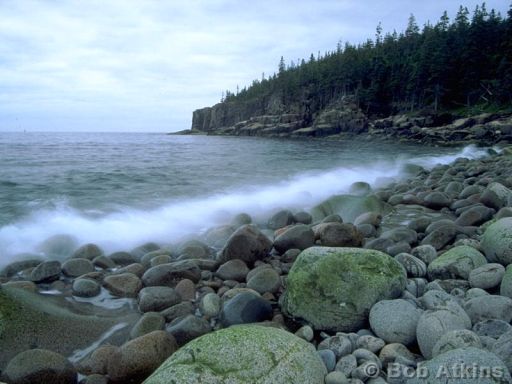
pixel 129 227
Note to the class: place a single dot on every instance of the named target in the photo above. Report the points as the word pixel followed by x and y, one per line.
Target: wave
pixel 130 227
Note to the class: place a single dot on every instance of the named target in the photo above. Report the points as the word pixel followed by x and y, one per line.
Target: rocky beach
pixel 406 283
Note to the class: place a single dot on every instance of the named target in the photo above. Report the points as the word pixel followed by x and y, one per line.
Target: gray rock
pixel 186 289
pixel 417 287
pixel 122 258
pixel 458 262
pixel 506 283
pixel 437 200
pixel 86 288
pixel 265 280
pixel 469 191
pixel 103 262
pixel 340 345
pixel 400 234
pixel 360 188
pixel 413 265
pixel 393 352
pixel 235 269
pixel 46 271
pixel 371 343
pixel 138 358
pixel 123 285
pixel 241 219
pixel 160 259
pixel 433 325
pixel 497 242
pixel 439 369
pixel 503 349
pixel 170 274
pixel 492 328
pixel 488 308
pixel 426 253
pixel 245 308
pixel 495 195
pixel 135 268
pixel 346 365
pixel 87 251
pixel 372 218
pixel 13 268
pixel 248 243
pixel 143 249
pixel 438 299
pixel 210 305
pixel 440 237
pixel 338 235
pixel 152 299
pixel 179 310
pixel 77 267
pixel 305 332
pixel 296 237
pixel 280 219
pixel 459 338
pixel 217 237
pixel 395 321
pixel 40 366
pixel 475 216
pixel 95 379
pixel 302 218
pixel 336 377
pixel 487 276
pixel 329 359
pixel 149 322
pixel 188 328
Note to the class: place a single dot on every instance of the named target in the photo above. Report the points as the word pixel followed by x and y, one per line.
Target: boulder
pixel 235 269
pixel 123 285
pixel 188 328
pixel 245 307
pixel 497 242
pixel 489 307
pixel 77 267
pixel 295 237
pixel 171 273
pixel 452 368
pixel 334 288
pixel 87 251
pixel 496 196
pixel 243 354
pixel 39 366
pixel 248 244
pixel 338 235
pixel 487 276
pixel 456 263
pixel 280 219
pixel 46 272
pixel 157 298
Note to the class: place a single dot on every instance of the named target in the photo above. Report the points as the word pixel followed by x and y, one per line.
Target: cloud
pixel 146 65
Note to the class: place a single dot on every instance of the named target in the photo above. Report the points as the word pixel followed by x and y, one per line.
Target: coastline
pixel 184 291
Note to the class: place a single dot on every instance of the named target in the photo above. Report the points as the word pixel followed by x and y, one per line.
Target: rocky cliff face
pixel 268 117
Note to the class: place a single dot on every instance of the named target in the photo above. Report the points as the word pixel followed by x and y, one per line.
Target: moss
pixel 497 241
pixel 456 263
pixel 334 288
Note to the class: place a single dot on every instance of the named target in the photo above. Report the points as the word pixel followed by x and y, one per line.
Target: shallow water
pixel 121 189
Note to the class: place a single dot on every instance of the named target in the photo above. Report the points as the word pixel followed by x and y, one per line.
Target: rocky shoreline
pixel 410 283
pixel 344 118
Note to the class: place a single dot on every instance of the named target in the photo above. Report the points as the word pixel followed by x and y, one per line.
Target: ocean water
pixel 120 190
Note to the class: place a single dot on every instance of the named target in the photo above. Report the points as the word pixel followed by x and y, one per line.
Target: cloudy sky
pixel 142 65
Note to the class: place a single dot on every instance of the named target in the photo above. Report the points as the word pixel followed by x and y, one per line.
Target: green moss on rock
pixel 497 242
pixel 333 289
pixel 243 354
pixel 456 263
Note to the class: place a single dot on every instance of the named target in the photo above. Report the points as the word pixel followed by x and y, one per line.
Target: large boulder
pixel 296 237
pixel 243 354
pixel 334 288
pixel 29 320
pixel 349 207
pixel 248 243
pixel 497 241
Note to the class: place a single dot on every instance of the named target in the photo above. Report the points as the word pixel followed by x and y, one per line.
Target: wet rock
pixel 295 237
pixel 496 195
pixel 440 237
pixel 87 251
pixel 413 266
pixel 248 243
pixel 40 366
pixel 188 328
pixel 475 216
pixel 123 285
pixel 149 322
pixel 280 219
pixel 13 268
pixel 186 289
pixel 210 305
pixel 138 358
pixel 86 288
pixel 235 269
pixel 264 280
pixel 122 258
pixel 437 200
pixel 170 274
pixel 152 299
pixel 497 242
pixel 245 307
pixel 46 271
pixel 77 267
pixel 179 310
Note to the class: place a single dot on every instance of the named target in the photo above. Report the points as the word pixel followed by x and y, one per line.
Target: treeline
pixel 455 64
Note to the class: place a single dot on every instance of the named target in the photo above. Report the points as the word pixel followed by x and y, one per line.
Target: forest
pixel 461 64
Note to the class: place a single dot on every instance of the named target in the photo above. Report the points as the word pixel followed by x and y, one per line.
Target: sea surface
pixel 120 190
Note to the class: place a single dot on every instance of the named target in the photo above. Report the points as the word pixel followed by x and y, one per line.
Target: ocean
pixel 119 190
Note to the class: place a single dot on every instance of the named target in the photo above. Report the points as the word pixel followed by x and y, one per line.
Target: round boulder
pixel 497 241
pixel 243 354
pixel 457 263
pixel 334 288
pixel 248 243
pixel 296 237
pixel 40 366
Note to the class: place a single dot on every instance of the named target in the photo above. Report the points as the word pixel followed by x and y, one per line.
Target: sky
pixel 146 65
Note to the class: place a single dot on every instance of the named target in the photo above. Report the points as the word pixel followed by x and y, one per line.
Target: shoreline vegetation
pixel 444 84
pixel 364 286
